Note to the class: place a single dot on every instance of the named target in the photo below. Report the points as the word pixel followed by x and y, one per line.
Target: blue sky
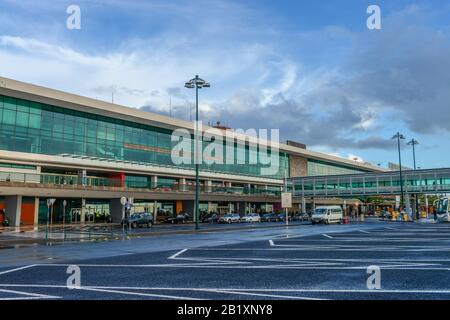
pixel 310 68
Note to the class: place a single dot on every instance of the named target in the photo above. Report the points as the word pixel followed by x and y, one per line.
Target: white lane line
pixel 17 269
pixel 272 244
pixel 137 293
pixel 325 235
pixel 28 295
pixel 23 298
pixel 262 295
pixel 363 231
pixel 178 253
pixel 436 291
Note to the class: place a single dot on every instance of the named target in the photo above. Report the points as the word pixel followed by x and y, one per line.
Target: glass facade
pixel 17 166
pixel 319 168
pixel 27 126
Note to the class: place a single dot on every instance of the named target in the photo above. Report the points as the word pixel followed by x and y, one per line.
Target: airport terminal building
pixel 91 153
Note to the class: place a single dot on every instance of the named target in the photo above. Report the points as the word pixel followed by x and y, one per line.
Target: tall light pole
pixel 197 83
pixel 399 137
pixel 413 143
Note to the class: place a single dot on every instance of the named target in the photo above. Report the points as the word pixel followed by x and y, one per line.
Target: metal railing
pixel 104 183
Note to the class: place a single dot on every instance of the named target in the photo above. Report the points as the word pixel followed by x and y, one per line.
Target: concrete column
pixel 209 206
pixel 228 184
pixel 208 186
pixel 154 181
pixel 82 177
pixel 407 204
pixel 303 209
pixel 155 210
pixel 182 184
pixel 13 208
pixel 83 210
pixel 36 211
pixel 116 210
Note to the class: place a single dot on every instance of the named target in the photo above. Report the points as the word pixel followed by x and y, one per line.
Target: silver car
pixel 230 218
pixel 252 217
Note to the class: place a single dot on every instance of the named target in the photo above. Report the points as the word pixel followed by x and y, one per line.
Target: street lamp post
pixel 413 143
pixel 197 83
pixel 399 137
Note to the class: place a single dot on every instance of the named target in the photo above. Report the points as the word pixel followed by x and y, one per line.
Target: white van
pixel 327 214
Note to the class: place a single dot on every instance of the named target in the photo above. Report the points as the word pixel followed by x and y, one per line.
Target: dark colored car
pixel 179 218
pixel 282 217
pixel 301 217
pixel 139 219
pixel 268 217
pixel 214 218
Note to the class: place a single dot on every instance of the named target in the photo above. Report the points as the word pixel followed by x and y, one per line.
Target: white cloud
pixel 355 158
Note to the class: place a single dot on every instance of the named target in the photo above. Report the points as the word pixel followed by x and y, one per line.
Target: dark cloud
pixel 402 69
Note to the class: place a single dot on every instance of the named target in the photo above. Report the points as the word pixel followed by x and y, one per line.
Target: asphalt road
pixel 303 262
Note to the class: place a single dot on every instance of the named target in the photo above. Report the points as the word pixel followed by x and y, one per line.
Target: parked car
pixel 230 218
pixel 268 217
pixel 139 219
pixel 327 214
pixel 301 217
pixel 179 218
pixel 252 217
pixel 282 217
pixel 214 218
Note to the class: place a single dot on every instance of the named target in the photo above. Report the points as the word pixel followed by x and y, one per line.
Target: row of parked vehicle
pixel 325 215
pixel 255 217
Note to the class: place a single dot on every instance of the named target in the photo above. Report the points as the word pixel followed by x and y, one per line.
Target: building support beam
pixel 155 211
pixel 36 211
pixel 13 208
pixel 154 181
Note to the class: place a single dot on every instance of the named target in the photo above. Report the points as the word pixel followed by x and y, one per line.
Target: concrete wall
pixel 298 166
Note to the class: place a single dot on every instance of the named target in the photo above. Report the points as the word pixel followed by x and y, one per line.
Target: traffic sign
pixel 286 200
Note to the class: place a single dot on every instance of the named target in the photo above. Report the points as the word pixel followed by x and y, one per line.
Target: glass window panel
pixel 35 121
pixel 9 103
pixel 9 116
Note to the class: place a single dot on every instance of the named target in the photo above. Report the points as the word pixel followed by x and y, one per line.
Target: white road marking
pixel 177 254
pixel 246 290
pixel 262 295
pixel 271 243
pixel 28 295
pixel 363 231
pixel 17 269
pixel 136 293
pixel 325 235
